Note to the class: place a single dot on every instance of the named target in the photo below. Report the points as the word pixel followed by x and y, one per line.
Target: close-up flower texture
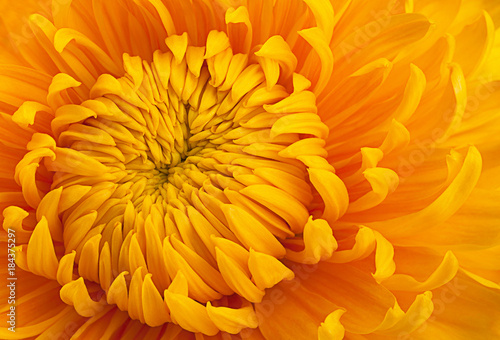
pixel 250 169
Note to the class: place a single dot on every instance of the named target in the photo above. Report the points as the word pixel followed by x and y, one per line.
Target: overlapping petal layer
pixel 251 169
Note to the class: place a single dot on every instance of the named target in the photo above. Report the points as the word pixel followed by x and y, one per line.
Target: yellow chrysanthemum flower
pixel 231 169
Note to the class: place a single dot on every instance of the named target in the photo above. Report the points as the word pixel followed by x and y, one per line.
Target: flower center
pixel 182 185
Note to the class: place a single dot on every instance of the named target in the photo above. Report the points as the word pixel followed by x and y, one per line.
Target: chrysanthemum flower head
pixel 251 169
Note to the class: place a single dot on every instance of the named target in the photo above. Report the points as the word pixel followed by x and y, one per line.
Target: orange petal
pixel 463 309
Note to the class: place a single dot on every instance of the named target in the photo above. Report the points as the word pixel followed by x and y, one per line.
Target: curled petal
pixel 41 255
pixel 75 293
pixel 232 320
pixel 332 328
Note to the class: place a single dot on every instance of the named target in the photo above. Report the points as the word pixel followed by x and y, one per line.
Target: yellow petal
pixel 105 267
pixel 233 18
pixel 364 244
pixel 118 293
pixel 463 302
pixel 266 270
pixel 26 113
pixel 88 266
pixel 442 208
pixel 178 45
pixel 135 303
pixel 276 48
pixel 189 314
pixel 413 94
pixel 155 313
pixel 237 278
pixel 64 35
pixel 251 232
pixel 293 185
pixel 65 269
pixel 281 203
pixel 75 293
pixel 476 38
pixel 332 191
pixel 332 329
pixel 382 181
pixel 49 208
pixel 69 114
pixel 320 43
pixel 398 322
pixel 13 219
pixel 301 102
pixel 319 243
pixel 41 255
pixel 232 320
pixel 60 83
pixel 443 274
pixel 194 59
pixel 323 13
pixel 198 288
pixel 216 43
pixel 300 83
pixel 397 138
pixel 384 258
